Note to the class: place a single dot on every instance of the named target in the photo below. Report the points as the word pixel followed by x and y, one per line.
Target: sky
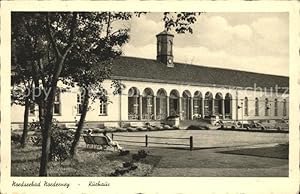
pixel 256 42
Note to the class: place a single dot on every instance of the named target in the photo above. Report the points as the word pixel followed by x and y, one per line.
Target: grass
pixel 88 162
pixel 280 151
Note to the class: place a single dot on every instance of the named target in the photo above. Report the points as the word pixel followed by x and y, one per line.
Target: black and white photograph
pixel 156 94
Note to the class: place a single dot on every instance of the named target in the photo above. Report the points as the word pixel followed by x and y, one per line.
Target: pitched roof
pixel 132 68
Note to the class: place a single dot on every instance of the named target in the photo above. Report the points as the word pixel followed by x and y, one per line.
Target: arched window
pixel 267 107
pixel 284 107
pixel 246 106
pixel 208 104
pixel 174 103
pixel 228 106
pixel 161 104
pixel 256 107
pixel 147 104
pixel 171 46
pixel 186 105
pixel 197 103
pixel 103 103
pixel 275 107
pixel 56 107
pixel 133 103
pixel 218 104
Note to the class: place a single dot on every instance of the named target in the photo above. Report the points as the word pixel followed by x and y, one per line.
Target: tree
pixel 88 71
pixel 22 80
pixel 51 37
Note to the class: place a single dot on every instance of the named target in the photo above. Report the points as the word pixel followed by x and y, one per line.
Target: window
pixel 284 107
pixel 256 107
pixel 103 104
pixel 56 108
pixel 246 106
pixel 79 102
pixel 276 107
pixel 267 107
pixel 31 109
pixel 103 107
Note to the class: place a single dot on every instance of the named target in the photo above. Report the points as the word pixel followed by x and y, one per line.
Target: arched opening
pixel 218 109
pixel 161 104
pixel 246 106
pixel 174 103
pixel 133 103
pixel 186 105
pixel 197 105
pixel 208 104
pixel 256 107
pixel 276 107
pixel 228 106
pixel 284 110
pixel 267 108
pixel 147 104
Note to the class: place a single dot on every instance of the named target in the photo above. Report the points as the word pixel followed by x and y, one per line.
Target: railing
pixel 146 140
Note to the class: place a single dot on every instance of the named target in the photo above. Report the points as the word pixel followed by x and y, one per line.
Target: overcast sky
pixel 255 42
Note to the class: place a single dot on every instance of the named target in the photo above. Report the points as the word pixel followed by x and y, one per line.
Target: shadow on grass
pixel 149 159
pixel 280 151
pixel 255 130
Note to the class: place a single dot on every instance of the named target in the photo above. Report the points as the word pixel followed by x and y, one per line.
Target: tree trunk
pixel 25 123
pixel 47 119
pixel 80 124
pixel 46 132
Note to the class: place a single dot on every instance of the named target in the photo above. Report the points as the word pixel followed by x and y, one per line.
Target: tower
pixel 165 48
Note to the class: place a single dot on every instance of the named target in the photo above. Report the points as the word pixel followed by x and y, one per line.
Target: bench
pixel 94 141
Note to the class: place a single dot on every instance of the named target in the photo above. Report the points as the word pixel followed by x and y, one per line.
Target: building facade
pixel 156 89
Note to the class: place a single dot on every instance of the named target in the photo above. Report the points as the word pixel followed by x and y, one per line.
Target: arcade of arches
pixel 147 105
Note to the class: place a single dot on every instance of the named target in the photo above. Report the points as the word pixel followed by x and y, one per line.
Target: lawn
pixel 216 153
pixel 89 162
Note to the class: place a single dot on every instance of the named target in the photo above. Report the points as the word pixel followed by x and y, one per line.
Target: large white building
pixel 156 89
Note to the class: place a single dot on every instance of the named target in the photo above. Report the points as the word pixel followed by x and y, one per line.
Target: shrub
pixel 141 154
pixel 35 126
pixel 61 142
pixel 15 138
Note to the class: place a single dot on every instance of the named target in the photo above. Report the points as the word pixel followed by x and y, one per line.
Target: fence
pixel 146 140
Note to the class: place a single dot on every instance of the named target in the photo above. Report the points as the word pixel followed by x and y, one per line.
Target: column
pixel 180 108
pixel 141 106
pixel 168 106
pixel 213 106
pixel 192 108
pixel 154 108
pixel 202 108
pixel 223 108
